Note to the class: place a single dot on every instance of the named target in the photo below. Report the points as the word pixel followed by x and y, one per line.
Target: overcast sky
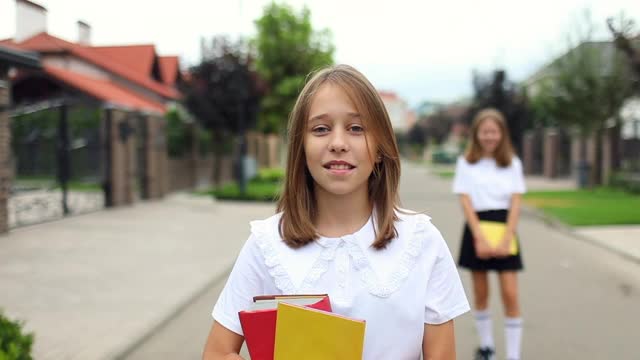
pixel 423 50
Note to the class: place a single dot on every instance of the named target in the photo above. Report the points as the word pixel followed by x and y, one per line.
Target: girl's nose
pixel 338 142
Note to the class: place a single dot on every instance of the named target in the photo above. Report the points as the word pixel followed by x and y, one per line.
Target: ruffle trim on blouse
pixel 406 264
pixel 264 234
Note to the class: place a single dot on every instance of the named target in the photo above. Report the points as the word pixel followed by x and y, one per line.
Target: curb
pixel 568 230
pixel 153 328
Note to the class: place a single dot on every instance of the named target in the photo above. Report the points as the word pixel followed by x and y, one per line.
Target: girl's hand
pixel 483 250
pixel 504 249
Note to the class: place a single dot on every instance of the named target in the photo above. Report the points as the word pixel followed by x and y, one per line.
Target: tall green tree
pixel 585 89
pixel 288 49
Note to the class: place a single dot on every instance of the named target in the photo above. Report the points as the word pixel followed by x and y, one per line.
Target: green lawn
pixel 602 206
pixel 265 186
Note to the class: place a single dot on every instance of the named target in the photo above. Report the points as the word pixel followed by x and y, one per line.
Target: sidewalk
pixel 92 286
pixel 623 240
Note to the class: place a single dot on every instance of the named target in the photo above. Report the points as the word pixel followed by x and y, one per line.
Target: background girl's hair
pixel 297 200
pixel 504 152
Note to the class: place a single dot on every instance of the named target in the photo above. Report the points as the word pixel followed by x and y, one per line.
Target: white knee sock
pixel 513 337
pixel 485 328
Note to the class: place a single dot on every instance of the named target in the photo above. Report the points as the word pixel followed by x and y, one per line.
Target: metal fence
pixel 58 163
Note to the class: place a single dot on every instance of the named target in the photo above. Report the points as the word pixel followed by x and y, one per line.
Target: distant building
pixel 130 76
pixel 534 81
pixel 630 112
pixel 401 116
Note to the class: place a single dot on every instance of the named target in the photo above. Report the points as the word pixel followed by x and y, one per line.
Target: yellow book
pixel 494 231
pixel 310 334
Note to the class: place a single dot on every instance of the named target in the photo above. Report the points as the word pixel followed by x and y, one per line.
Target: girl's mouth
pixel 339 167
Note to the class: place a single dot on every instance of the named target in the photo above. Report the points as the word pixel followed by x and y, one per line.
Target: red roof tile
pixel 45 42
pixel 169 69
pixel 104 90
pixel 10 44
pixel 136 57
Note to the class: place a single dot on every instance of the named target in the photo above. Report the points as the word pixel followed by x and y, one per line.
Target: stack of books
pixel 287 327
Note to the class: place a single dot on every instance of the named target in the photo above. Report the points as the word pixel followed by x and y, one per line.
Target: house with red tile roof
pixel 134 77
pixel 132 86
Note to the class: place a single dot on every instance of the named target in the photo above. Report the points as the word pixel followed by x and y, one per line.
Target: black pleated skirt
pixel 468 258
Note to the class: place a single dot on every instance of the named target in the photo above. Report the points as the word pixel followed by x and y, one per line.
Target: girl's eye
pixel 320 130
pixel 356 128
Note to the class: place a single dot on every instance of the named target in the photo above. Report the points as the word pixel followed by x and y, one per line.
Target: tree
pixel 437 125
pixel 416 135
pixel 224 94
pixel 629 45
pixel 584 89
pixel 622 35
pixel 179 136
pixel 498 92
pixel 288 49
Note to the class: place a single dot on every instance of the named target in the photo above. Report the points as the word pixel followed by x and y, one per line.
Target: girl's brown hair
pixel 297 200
pixel 504 152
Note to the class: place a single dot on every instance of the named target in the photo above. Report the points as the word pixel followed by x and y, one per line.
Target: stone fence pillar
pixel 550 156
pixel 5 150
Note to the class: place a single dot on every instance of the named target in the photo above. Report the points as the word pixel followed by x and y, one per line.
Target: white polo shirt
pixel 489 186
pixel 396 290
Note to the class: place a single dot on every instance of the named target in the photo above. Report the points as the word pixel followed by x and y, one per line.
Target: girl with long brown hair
pixel 490 182
pixel 339 231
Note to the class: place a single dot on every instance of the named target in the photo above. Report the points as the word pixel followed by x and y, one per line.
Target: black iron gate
pixel 58 163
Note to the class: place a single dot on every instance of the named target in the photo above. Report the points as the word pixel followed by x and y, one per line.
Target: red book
pixel 259 326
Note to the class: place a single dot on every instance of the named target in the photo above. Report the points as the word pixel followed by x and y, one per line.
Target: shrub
pixel 256 191
pixel 626 181
pixel 271 175
pixel 14 343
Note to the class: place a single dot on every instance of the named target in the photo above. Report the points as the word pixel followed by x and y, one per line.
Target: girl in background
pixel 490 182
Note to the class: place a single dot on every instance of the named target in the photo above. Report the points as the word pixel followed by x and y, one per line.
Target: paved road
pixel 579 301
pixel 91 286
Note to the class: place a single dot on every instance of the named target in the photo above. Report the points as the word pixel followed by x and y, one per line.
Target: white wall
pixel 630 114
pixel 397 110
pixel 74 64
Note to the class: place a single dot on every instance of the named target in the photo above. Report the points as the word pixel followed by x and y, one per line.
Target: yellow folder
pixel 494 232
pixel 305 333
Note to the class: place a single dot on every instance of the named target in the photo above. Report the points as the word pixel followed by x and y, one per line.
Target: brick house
pixel 131 85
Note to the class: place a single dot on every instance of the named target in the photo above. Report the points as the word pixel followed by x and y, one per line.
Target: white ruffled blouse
pixel 396 290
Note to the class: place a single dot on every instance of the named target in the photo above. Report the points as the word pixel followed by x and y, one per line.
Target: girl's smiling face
pixel 489 136
pixel 339 155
